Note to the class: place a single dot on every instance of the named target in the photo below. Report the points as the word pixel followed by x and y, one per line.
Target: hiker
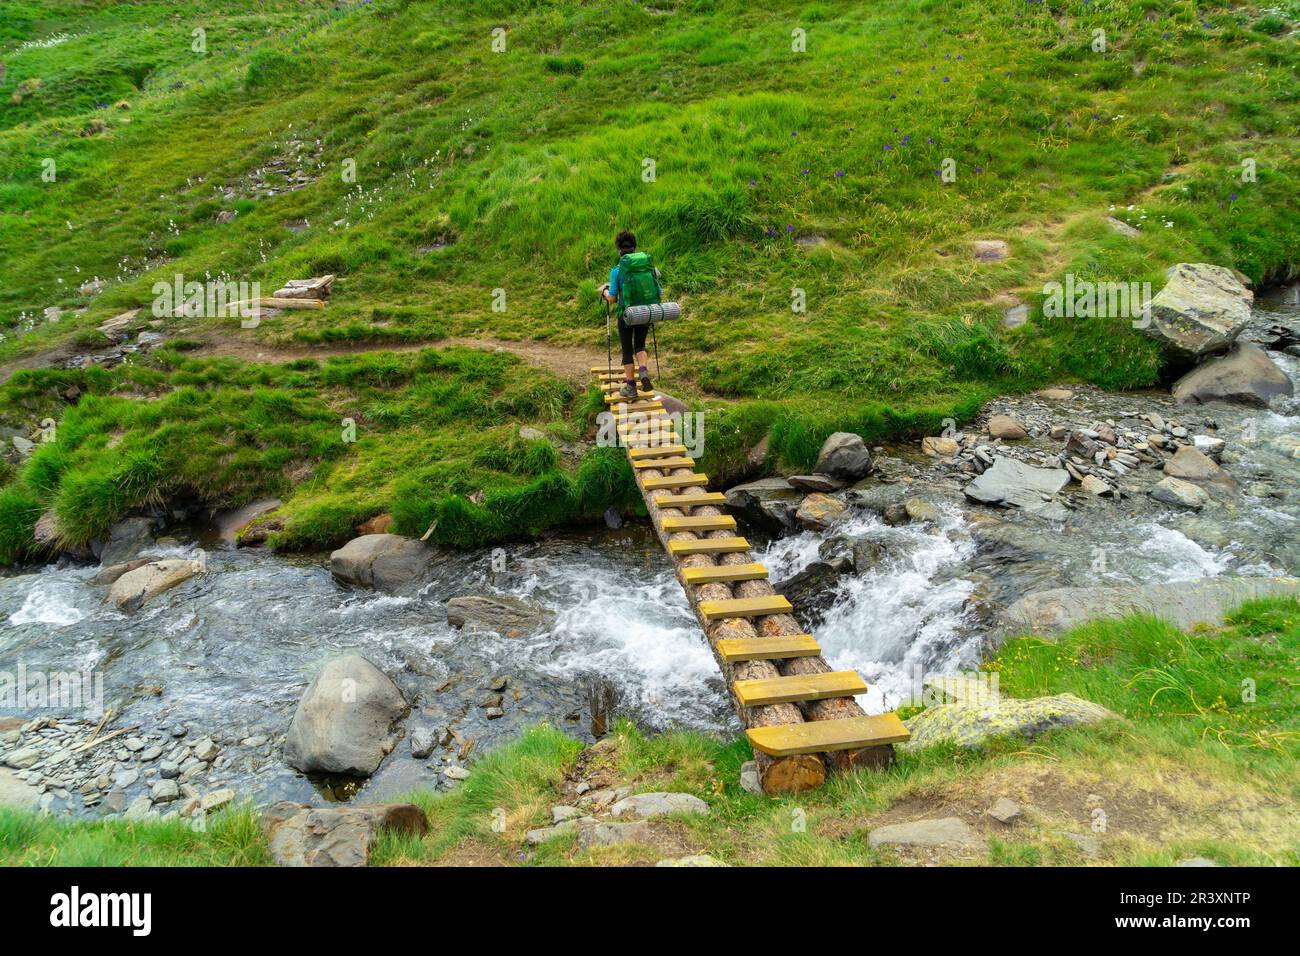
pixel 634 280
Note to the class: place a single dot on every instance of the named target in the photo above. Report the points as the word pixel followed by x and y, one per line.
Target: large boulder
pixel 844 455
pixel 1245 376
pixel 1200 311
pixel 386 562
pixel 496 614
pixel 135 588
pixel 1011 483
pixel 343 720
pixel 971 725
pixel 1189 464
pixel 1182 494
pixel 769 503
pixel 1185 604
pixel 299 835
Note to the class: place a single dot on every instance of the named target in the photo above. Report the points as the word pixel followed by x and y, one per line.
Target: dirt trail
pixel 569 362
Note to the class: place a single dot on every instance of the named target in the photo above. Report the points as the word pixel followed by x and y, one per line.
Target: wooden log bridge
pixel 799 715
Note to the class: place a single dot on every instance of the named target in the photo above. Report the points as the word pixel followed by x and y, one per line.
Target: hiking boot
pixel 645 384
pixel 628 390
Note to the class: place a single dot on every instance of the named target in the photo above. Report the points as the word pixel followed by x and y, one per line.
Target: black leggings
pixel 633 339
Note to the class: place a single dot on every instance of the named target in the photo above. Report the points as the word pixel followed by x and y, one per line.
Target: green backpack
pixel 637 283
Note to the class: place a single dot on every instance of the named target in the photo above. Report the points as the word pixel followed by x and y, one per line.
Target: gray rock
pixel 1005 810
pixel 165 791
pixel 424 740
pixel 22 758
pixel 1185 604
pixel 299 835
pixel 822 483
pixel 944 832
pixel 216 799
pixel 769 503
pixel 812 589
pixel 844 455
pixel 1006 428
pixel 15 792
pixel 1191 465
pixel 1245 376
pixel 126 779
pixel 972 725
pixel 456 773
pixel 168 769
pixel 1015 316
pixel 109 574
pixel 1197 861
pixel 1175 491
pixel 699 859
pixel 206 750
pixel 1011 483
pixel 647 805
pixel 136 588
pixel 819 511
pixel 545 834
pixel 385 562
pixel 562 812
pixel 497 614
pixel 749 780
pixel 126 540
pixel 343 720
pixel 608 834
pixel 138 807
pixel 1200 311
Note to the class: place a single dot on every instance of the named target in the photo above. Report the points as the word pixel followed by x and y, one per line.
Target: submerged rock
pixel 385 562
pixel 126 540
pixel 497 614
pixel 1200 311
pixel 343 719
pixel 1245 376
pixel 1175 491
pixel 1184 604
pixel 1012 483
pixel 135 588
pixel 819 511
pixel 971 725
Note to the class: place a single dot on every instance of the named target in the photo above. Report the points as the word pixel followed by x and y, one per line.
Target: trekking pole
pixel 609 342
pixel 655 335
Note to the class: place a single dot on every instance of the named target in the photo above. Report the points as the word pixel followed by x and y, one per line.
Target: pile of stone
pixel 55 763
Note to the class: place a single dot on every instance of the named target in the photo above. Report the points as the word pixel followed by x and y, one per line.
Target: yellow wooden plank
pixel 736 649
pixel 633 440
pixel 674 481
pixel 722 572
pixel 649 451
pixel 744 607
pixel 707 546
pixel 634 407
pixel 699 523
pixel 675 462
pixel 663 424
pixel 818 736
pixel 796 687
pixel 613 398
pixel 691 499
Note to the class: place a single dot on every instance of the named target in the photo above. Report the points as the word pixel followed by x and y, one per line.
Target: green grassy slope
pixel 774 170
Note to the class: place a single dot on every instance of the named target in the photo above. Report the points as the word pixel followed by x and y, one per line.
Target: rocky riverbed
pixel 1048 507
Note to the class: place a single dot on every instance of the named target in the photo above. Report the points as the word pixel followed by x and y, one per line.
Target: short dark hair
pixel 625 242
